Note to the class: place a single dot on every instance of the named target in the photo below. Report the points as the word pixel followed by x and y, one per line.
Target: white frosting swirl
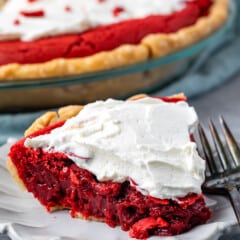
pixel 145 140
pixel 74 16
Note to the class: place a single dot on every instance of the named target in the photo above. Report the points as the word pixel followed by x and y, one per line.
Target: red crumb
pixel 38 13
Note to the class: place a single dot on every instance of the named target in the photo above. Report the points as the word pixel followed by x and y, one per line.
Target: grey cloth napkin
pixel 215 66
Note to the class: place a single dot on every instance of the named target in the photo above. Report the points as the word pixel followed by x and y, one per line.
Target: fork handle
pixel 234 197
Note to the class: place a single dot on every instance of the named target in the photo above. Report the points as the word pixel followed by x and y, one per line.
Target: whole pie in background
pixel 42 38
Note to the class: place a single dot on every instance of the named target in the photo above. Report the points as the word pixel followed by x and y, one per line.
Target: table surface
pixel 221 101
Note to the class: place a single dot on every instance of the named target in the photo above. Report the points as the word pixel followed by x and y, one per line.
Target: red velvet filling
pixel 55 180
pixel 102 38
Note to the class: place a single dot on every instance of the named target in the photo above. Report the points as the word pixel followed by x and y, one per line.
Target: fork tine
pixel 207 150
pixel 231 142
pixel 234 196
pixel 226 182
pixel 219 147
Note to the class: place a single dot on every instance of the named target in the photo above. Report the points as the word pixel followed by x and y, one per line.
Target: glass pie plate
pixel 118 82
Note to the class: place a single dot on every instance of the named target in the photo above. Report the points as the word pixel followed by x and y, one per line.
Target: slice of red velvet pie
pixel 42 38
pixel 129 163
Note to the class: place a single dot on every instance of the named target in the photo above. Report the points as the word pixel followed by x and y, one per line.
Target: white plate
pixel 25 219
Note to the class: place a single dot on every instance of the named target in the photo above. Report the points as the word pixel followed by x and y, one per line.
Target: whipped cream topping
pixel 144 141
pixel 32 19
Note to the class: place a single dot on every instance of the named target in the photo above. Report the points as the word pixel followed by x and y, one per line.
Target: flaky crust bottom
pixel 14 172
pixel 121 56
pixel 152 46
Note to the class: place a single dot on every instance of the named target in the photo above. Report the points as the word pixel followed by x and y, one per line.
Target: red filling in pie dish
pixel 103 38
pixel 56 181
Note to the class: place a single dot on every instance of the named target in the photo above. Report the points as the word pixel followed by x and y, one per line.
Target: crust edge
pixel 14 173
pixel 163 44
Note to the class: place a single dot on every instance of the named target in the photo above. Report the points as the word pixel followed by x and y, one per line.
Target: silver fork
pixel 224 167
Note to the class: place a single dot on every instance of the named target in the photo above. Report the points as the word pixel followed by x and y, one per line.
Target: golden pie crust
pixel 152 46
